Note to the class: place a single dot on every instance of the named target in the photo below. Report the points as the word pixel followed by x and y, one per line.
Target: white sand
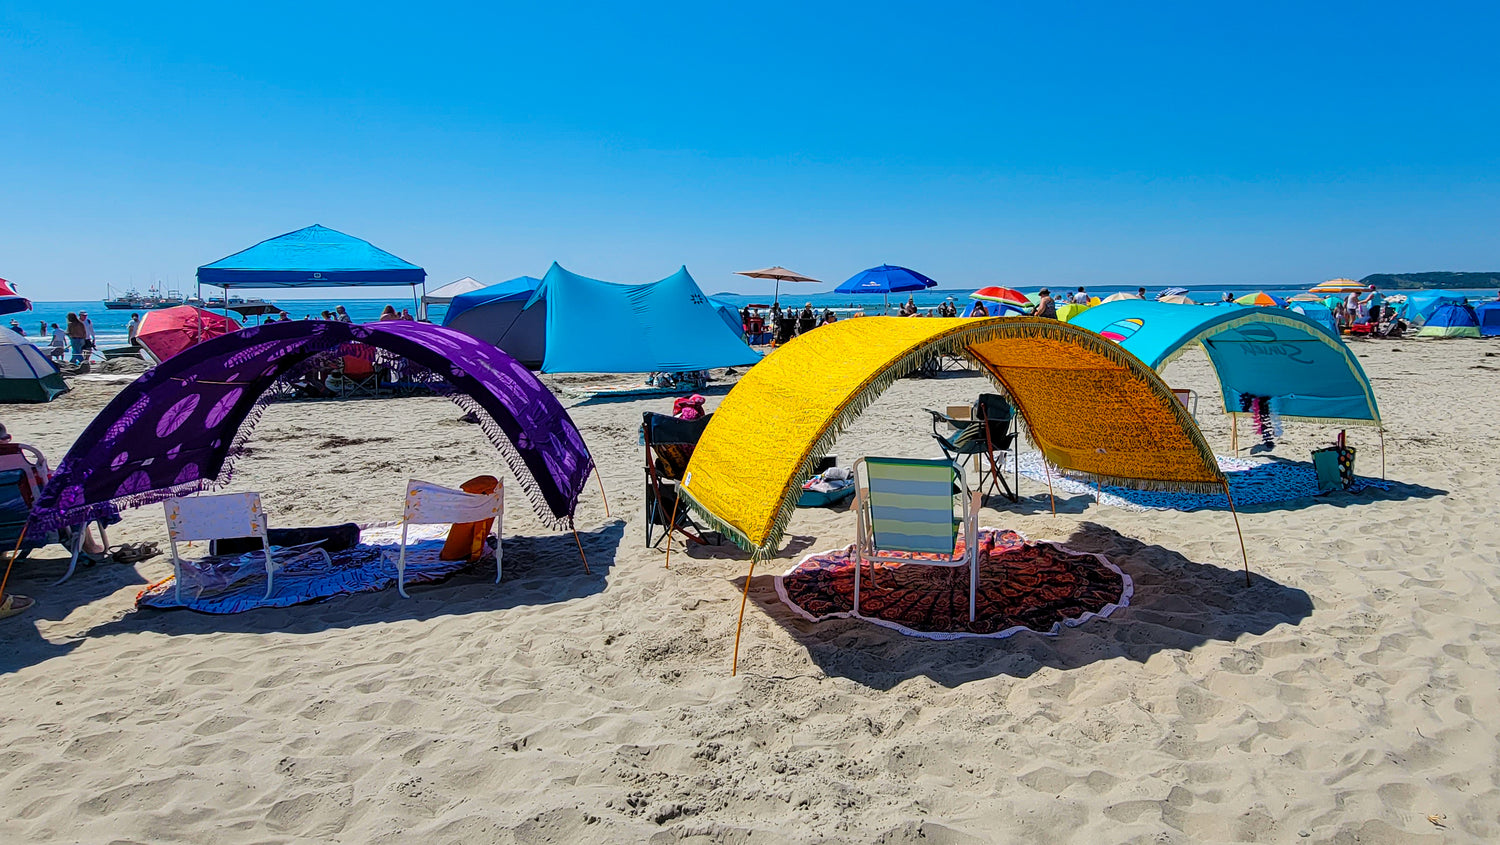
pixel 1347 696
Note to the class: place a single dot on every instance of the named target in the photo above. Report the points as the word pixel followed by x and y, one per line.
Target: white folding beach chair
pixel 222 517
pixel 428 504
pixel 906 505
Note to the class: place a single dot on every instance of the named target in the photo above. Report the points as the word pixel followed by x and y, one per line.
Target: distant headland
pixel 1418 281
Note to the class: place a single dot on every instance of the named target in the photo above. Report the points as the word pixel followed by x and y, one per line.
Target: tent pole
pixel 599 478
pixel 1234 433
pixel 1382 453
pixel 1050 494
pixel 1243 554
pixel 673 524
pixel 577 540
pixel 734 666
pixel 15 553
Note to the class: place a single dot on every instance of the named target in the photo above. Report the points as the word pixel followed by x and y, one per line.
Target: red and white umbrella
pixel 1004 296
pixel 10 301
pixel 169 331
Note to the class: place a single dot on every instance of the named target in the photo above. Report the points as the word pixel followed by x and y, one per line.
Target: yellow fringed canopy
pixel 1090 406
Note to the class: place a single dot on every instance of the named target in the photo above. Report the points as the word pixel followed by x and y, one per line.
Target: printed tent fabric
pixel 1489 318
pixel 1451 321
pixel 506 316
pixel 26 375
pixel 177 428
pixel 315 257
pixel 1090 407
pixel 166 332
pixel 1306 370
pixel 665 326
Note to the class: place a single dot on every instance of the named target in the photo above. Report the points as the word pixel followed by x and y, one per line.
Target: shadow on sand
pixel 1178 605
pixel 538 570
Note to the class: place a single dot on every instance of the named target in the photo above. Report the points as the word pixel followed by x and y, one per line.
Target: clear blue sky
pixel 982 143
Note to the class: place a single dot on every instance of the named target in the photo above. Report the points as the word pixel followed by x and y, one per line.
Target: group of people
pixel 74 342
pixel 1358 310
pixel 785 324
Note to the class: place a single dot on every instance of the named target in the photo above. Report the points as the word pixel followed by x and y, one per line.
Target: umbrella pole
pixel 734 665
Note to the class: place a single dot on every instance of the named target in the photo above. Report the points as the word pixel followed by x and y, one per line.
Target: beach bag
pixel 1334 466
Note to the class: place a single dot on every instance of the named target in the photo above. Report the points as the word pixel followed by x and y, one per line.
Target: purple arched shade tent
pixel 176 429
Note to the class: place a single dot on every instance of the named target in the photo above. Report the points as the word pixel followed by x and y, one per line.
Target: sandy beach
pixel 1348 695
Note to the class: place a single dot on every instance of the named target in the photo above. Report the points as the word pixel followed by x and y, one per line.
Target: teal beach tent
pixel 26 375
pixel 1306 371
pixel 665 326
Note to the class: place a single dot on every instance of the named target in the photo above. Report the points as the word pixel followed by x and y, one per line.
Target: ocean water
pixel 109 326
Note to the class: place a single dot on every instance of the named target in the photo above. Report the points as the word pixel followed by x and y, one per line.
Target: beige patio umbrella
pixel 780 274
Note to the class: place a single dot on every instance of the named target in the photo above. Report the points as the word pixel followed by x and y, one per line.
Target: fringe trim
pixel 955 341
pixel 111 509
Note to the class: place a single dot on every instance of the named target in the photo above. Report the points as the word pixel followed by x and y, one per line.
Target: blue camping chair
pixel 906 505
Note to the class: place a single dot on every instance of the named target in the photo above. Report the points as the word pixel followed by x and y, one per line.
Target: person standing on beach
pixel 88 329
pixel 341 315
pixel 1141 292
pixel 133 327
pixel 1046 306
pixel 1082 297
pixel 42 329
pixel 76 336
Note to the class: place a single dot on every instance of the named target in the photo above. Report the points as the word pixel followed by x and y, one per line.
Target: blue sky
pixel 980 143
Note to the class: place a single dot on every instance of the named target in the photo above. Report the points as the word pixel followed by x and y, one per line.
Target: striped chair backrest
pixel 911 505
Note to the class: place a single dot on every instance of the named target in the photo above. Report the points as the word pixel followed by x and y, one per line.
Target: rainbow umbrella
pixel 1340 286
pixel 1004 296
pixel 1260 297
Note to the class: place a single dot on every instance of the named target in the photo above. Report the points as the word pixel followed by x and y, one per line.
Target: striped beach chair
pixel 905 506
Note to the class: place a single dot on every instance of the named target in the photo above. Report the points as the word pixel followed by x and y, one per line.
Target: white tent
pixel 445 294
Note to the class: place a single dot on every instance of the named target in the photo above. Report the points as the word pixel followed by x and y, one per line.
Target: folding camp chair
pixel 906 505
pixel 669 446
pixel 428 503
pixel 23 474
pixel 358 373
pixel 227 516
pixel 988 431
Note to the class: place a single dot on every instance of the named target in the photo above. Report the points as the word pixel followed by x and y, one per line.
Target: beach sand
pixel 1349 695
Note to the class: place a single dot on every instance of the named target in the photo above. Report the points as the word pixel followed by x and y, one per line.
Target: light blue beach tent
pixel 1305 370
pixel 665 326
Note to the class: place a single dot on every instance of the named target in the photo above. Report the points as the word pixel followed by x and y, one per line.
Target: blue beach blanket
pixel 1251 482
pixel 234 584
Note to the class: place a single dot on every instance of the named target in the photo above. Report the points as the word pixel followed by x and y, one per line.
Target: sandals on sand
pixel 14 604
pixel 133 552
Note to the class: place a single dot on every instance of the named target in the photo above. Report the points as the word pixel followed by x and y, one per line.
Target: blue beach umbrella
pixel 886 279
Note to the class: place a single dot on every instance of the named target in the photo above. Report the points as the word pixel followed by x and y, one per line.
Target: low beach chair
pixel 988 432
pixel 905 505
pixel 358 373
pixel 427 504
pixel 669 446
pixel 227 516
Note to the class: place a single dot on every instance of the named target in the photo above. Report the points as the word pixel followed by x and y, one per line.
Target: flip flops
pixel 133 552
pixel 14 604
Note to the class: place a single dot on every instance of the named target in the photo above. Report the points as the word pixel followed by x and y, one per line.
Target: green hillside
pixel 1417 281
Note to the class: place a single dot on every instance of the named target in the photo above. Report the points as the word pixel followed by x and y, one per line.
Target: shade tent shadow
pixel 538 571
pixel 21 643
pixel 1179 604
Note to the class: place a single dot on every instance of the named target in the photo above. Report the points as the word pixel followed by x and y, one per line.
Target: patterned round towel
pixel 1022 586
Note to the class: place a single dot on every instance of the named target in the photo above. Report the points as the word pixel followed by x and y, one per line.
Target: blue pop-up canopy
pixel 315 257
pixel 665 326
pixel 1304 369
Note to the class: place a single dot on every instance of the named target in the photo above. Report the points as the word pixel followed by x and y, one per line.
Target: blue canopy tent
pixel 665 326
pixel 886 279
pixel 1304 369
pixel 314 257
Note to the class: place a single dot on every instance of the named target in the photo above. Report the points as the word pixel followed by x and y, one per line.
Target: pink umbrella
pixel 169 331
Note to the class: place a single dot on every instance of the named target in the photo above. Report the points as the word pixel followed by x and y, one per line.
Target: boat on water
pixel 245 307
pixel 134 300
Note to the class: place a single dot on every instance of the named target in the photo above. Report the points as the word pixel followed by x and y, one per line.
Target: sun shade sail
pixel 1091 408
pixel 176 429
pixel 665 326
pixel 315 257
pixel 1304 369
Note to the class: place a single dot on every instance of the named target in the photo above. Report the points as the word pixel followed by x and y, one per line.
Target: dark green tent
pixel 26 375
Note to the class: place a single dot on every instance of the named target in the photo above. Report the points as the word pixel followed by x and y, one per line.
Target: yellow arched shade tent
pixel 1090 406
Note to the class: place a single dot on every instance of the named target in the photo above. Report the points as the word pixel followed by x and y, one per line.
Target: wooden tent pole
pixel 734 666
pixel 600 478
pixel 1382 453
pixel 1050 495
pixel 579 541
pixel 1243 554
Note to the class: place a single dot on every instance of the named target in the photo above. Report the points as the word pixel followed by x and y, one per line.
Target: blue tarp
pixel 1489 318
pixel 665 326
pixel 315 257
pixel 1305 369
pixel 1318 313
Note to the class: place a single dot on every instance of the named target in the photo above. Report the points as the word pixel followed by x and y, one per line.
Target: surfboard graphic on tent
pixel 1121 329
